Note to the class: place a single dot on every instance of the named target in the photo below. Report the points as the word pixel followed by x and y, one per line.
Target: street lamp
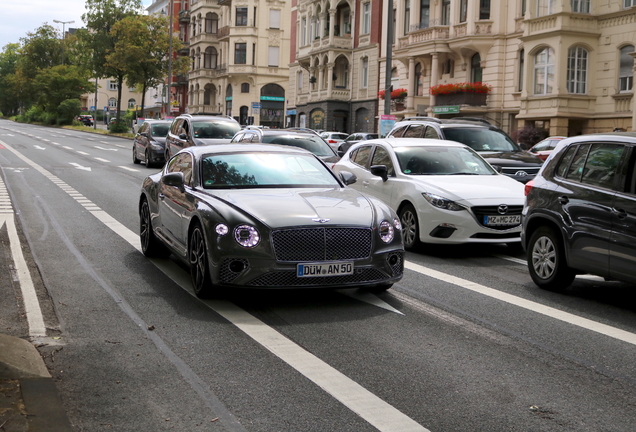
pixel 63 34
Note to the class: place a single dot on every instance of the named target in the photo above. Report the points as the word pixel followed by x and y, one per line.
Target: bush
pixel 67 111
pixel 118 126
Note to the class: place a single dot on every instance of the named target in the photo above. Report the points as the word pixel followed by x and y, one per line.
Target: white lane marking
pixel 45 140
pixel 367 297
pixel 525 263
pixel 548 311
pixel 107 149
pixel 83 153
pixel 368 406
pixel 56 143
pixel 68 148
pixel 122 146
pixel 78 166
pixel 35 320
pixel 513 259
pixel 128 169
pixel 102 160
pixel 104 142
pixel 39 148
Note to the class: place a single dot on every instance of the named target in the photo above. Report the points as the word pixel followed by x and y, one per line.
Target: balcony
pixel 184 49
pixel 419 35
pixel 208 73
pixel 225 2
pixel 575 23
pixel 204 37
pixel 223 32
pixel 184 16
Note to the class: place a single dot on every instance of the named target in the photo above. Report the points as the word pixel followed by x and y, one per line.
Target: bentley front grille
pixel 322 244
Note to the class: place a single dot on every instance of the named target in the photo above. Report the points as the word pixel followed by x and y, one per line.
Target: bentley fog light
pixel 246 235
pixel 441 202
pixel 386 232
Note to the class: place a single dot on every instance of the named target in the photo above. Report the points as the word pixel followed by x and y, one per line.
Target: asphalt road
pixel 465 342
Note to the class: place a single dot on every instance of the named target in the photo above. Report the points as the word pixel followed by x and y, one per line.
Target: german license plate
pixel 502 220
pixel 335 268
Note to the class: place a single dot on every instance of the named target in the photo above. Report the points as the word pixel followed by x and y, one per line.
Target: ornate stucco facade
pixel 239 51
pixel 333 82
pixel 564 65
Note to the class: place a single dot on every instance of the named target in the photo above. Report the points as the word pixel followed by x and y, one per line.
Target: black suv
pixel 580 211
pixel 290 137
pixel 196 130
pixel 489 141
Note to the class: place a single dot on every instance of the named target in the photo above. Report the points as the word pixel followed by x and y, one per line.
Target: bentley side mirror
pixel 347 177
pixel 175 179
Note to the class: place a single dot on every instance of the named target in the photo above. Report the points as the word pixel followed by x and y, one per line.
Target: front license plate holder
pixel 322 269
pixel 502 220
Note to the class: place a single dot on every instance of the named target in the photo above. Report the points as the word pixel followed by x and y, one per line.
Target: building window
pixel 209 58
pixel 407 15
pixel 545 7
pixel 448 68
pixel 112 85
pixel 366 18
pixel 463 10
pixel 240 53
pixel 445 12
pixel 577 70
pixel 245 87
pixel 273 56
pixel 112 103
pixel 299 81
pixel 241 16
pixel 626 69
pixel 303 32
pixel 581 6
pixel 484 9
pixel 419 84
pixel 476 71
pixel 425 13
pixel 522 61
pixel 365 73
pixel 211 23
pixel 629 3
pixel 131 103
pixel 274 18
pixel 544 71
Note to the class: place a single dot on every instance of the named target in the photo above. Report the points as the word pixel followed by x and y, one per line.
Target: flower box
pixel 473 99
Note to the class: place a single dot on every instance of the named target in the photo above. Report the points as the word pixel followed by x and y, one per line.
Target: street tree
pixel 58 84
pixel 100 17
pixel 143 42
pixel 9 83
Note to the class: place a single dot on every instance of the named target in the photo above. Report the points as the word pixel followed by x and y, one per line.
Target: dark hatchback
pixel 580 211
pixel 489 141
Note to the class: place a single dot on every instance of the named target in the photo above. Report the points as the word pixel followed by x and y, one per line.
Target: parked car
pixel 443 191
pixel 489 141
pixel 266 216
pixel 196 130
pixel 334 139
pixel 354 139
pixel 86 119
pixel 305 140
pixel 543 148
pixel 580 211
pixel 149 145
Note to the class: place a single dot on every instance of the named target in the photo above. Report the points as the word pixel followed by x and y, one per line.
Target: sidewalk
pixel 29 400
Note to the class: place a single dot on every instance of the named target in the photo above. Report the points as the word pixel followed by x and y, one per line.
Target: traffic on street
pixel 463 339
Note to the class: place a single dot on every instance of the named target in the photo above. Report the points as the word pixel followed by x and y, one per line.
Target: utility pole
pixel 389 59
pixel 171 14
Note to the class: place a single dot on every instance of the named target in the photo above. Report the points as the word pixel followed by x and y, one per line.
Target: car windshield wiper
pixel 463 173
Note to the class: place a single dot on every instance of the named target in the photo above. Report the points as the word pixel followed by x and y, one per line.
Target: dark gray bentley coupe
pixel 268 216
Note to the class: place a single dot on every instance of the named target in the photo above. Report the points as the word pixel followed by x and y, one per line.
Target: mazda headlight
pixel 246 236
pixel 386 232
pixel 441 202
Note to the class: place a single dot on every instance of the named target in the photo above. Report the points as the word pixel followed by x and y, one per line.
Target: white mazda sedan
pixel 443 191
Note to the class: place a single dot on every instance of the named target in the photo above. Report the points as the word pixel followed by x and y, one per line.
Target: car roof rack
pixel 473 119
pixel 302 129
pixel 434 119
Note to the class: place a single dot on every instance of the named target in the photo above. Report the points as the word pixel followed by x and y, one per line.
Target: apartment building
pixel 105 100
pixel 239 55
pixel 333 80
pixel 563 65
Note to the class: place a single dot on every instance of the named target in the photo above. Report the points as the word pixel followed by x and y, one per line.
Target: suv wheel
pixel 546 261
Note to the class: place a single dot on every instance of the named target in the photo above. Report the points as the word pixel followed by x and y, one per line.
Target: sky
pixel 20 17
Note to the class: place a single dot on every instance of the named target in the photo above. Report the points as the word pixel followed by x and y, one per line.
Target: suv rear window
pixel 481 139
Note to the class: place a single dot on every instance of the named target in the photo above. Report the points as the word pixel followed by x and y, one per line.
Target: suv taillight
pixel 332 141
pixel 528 187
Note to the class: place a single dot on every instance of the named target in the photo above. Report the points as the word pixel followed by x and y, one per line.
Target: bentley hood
pixel 301 207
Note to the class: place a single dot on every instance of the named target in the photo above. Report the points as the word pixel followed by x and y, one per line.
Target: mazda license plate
pixel 502 220
pixel 336 268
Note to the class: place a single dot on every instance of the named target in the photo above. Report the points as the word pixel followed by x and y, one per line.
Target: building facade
pixel 239 59
pixel 563 65
pixel 333 80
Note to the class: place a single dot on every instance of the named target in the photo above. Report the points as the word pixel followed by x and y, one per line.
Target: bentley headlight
pixel 397 224
pixel 441 202
pixel 386 231
pixel 246 235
